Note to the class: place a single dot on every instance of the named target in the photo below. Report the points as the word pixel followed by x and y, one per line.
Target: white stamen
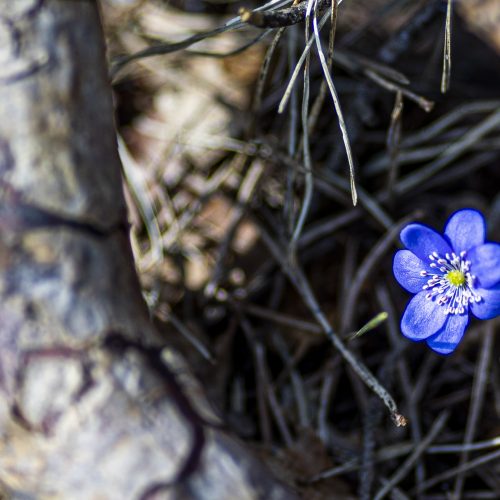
pixel 455 298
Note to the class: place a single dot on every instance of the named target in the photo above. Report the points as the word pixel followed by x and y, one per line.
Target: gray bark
pixel 90 407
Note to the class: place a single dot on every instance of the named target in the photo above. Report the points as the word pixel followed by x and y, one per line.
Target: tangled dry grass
pixel 258 266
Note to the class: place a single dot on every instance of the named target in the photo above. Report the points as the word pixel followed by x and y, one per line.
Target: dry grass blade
pixel 445 122
pixel 191 338
pixel 458 448
pixel 393 142
pixel 137 184
pixel 233 52
pixel 368 202
pixel 338 110
pixel 406 466
pixel 445 79
pixel 490 124
pixel 465 468
pixel 478 392
pixel 310 41
pixel 285 320
pixel 168 48
pixel 403 369
pixel 259 91
pixel 423 102
pixel 320 98
pixel 354 62
pixel 308 175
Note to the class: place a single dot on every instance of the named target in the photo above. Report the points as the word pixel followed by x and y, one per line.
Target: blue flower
pixel 452 275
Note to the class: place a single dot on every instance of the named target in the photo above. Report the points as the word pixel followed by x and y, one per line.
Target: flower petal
pixel 423 240
pixel 447 339
pixel 406 267
pixel 485 264
pixel 422 318
pixel 465 229
pixel 489 307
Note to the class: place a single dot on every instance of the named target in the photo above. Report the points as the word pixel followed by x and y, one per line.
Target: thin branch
pixel 279 18
pixel 302 286
pixel 230 53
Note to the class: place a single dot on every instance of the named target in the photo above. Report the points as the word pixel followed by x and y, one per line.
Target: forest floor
pixel 249 247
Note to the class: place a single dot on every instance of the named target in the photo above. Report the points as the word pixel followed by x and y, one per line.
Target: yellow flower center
pixel 456 277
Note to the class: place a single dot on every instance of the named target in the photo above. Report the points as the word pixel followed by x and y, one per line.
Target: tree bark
pixel 91 404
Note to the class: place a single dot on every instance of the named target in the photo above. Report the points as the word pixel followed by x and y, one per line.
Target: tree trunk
pixel 90 406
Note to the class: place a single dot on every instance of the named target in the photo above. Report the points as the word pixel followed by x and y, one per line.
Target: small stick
pixel 279 18
pixel 302 286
